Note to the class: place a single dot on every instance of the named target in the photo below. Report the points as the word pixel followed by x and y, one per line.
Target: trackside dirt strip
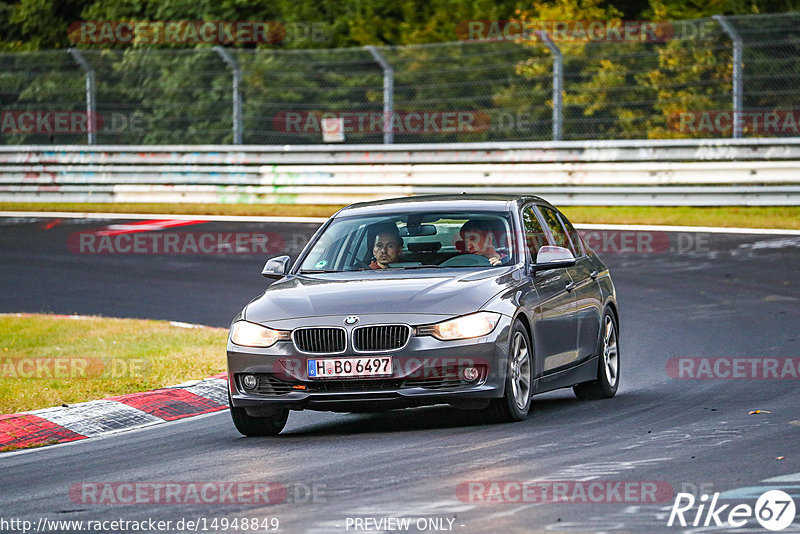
pixel 125 412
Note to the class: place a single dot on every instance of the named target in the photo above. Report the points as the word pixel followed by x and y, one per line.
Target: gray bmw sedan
pixel 479 302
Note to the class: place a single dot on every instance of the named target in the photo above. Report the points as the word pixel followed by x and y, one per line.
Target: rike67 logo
pixel 774 510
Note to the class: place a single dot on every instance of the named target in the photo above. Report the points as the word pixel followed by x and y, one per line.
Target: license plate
pixel 350 367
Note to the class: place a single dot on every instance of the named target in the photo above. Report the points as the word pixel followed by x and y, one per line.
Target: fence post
pixel 738 117
pixel 237 97
pixel 91 124
pixel 558 83
pixel 388 94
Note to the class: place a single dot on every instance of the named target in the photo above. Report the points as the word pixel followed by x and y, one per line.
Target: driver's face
pixel 386 249
pixel 478 241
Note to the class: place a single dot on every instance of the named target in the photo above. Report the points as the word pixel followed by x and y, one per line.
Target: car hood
pixel 448 293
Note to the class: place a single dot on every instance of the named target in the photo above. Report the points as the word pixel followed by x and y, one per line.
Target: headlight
pixel 474 325
pixel 254 335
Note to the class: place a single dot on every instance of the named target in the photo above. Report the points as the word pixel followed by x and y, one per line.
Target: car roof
pixel 462 202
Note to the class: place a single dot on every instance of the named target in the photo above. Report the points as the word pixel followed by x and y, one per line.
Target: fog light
pixel 249 382
pixel 470 374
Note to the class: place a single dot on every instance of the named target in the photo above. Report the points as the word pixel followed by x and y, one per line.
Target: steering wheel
pixel 466 260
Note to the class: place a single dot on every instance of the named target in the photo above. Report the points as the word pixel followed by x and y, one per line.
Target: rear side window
pixel 560 236
pixel 534 235
pixel 573 236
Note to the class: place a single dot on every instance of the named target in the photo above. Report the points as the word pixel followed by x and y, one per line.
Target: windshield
pixel 413 241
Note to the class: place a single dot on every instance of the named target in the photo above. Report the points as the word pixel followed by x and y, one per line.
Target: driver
pixel 479 238
pixel 387 247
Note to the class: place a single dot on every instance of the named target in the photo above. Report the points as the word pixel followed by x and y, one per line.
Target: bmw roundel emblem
pixel 351 320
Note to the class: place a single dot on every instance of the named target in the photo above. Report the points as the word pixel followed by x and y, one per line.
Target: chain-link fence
pixel 685 84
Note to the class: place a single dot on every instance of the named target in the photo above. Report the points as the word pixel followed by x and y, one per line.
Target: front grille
pixel 319 340
pixel 380 338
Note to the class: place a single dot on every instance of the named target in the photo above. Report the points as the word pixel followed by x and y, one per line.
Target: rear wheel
pixel 516 401
pixel 249 425
pixel 607 381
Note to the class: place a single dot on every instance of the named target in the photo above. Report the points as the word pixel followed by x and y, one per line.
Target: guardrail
pixel 663 172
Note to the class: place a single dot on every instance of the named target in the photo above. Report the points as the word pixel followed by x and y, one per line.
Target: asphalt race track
pixel 702 296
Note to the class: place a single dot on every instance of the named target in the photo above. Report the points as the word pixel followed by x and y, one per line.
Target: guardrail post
pixel 558 83
pixel 388 94
pixel 738 117
pixel 91 124
pixel 237 96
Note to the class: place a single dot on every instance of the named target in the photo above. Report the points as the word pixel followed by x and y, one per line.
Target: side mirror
pixel 276 267
pixel 550 257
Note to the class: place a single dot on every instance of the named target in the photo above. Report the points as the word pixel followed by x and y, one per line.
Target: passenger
pixel 387 247
pixel 479 238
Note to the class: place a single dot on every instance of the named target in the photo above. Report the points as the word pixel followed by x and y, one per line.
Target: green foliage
pixel 183 94
pixel 42 24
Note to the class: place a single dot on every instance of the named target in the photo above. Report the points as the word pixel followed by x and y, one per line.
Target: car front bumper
pixel 425 372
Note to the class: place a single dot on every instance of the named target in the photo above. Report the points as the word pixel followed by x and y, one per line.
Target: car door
pixel 589 305
pixel 552 306
pixel 588 297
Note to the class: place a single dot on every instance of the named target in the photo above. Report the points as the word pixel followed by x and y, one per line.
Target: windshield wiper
pixel 316 271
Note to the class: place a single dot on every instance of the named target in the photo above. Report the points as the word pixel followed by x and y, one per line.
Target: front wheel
pixel 607 382
pixel 250 426
pixel 516 401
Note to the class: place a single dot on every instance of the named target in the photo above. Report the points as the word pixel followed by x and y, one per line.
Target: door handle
pixel 594 274
pixel 570 286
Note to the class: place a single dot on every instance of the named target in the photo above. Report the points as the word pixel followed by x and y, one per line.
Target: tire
pixel 608 364
pixel 250 426
pixel 515 403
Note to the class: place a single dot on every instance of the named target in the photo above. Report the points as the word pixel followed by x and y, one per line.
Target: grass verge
pixel 723 216
pixel 785 217
pixel 48 360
